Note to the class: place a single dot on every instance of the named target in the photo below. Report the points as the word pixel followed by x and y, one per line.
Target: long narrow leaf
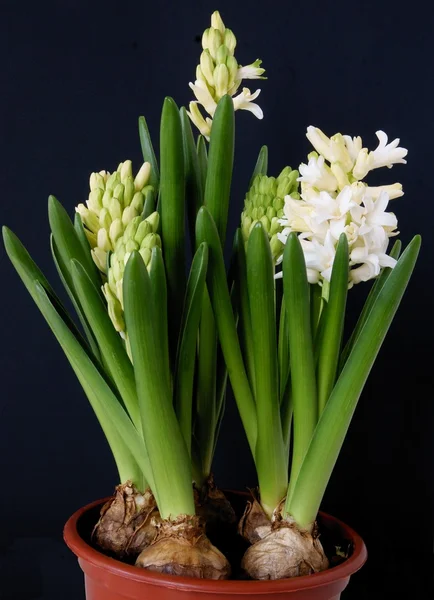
pixel 193 178
pixel 220 164
pixel 172 215
pixel 157 276
pixel 121 435
pixel 335 420
pixel 245 320
pixel 185 362
pixel 270 457
pixel 297 300
pixel 202 156
pixel 68 242
pixel 168 453
pixel 66 279
pixel 206 231
pixel 148 153
pixel 112 348
pixel 333 325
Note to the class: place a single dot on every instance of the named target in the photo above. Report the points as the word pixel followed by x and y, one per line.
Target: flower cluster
pixel 264 202
pixel 334 200
pixel 219 74
pixel 114 200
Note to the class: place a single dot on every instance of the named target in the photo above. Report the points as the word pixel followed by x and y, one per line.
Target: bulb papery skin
pixel 286 551
pixel 127 522
pixel 254 525
pixel 182 548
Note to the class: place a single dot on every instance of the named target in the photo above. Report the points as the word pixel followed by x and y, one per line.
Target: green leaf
pixel 127 447
pixel 29 272
pixel 112 348
pixel 270 456
pixel 261 166
pixel 168 455
pixel 193 178
pixel 220 164
pixel 148 153
pixel 333 325
pixel 370 301
pixel 185 362
pixel 245 321
pixel 68 243
pixel 304 396
pixel 206 231
pixel 172 215
pixel 283 351
pixel 332 427
pixel 202 156
pixel 66 279
pixel 157 276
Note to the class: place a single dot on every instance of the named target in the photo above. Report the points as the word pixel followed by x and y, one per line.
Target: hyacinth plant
pixel 295 384
pixel 160 338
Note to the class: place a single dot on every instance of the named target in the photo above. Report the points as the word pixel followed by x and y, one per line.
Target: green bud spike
pixel 264 202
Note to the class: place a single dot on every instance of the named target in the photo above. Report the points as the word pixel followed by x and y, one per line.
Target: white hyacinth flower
pixel 219 74
pixel 334 201
pixel 317 174
pixel 244 101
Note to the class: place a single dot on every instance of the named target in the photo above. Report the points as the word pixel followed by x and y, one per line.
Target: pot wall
pixel 109 579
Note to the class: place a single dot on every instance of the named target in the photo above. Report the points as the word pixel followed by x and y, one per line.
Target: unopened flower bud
pixel 142 176
pixel 207 67
pixel 126 170
pixel 217 22
pixel 230 41
pixel 221 78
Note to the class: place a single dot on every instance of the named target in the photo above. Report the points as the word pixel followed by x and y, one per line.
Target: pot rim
pixel 85 552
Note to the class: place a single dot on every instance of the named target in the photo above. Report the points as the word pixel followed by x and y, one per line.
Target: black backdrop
pixel 75 77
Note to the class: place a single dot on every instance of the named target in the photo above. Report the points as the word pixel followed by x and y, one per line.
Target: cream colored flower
pixel 219 74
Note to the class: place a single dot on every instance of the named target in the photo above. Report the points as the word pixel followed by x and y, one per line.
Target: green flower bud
pixel 230 41
pixel 113 180
pixel 114 308
pixel 138 235
pixel 118 193
pixel 126 170
pixel 264 202
pixel 115 209
pixel 142 176
pixel 217 22
pixel 95 200
pixel 105 219
pixel 143 230
pixel 215 40
pixel 207 67
pixel 222 55
pixel 115 231
pixel 129 214
pixel 128 190
pixel 146 254
pixel 221 78
pixel 232 65
pixel 114 201
pixel 137 202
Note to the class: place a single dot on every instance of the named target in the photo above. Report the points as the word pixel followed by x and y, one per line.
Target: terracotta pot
pixel 110 579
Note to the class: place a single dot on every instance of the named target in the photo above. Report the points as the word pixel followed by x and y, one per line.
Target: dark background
pixel 75 77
